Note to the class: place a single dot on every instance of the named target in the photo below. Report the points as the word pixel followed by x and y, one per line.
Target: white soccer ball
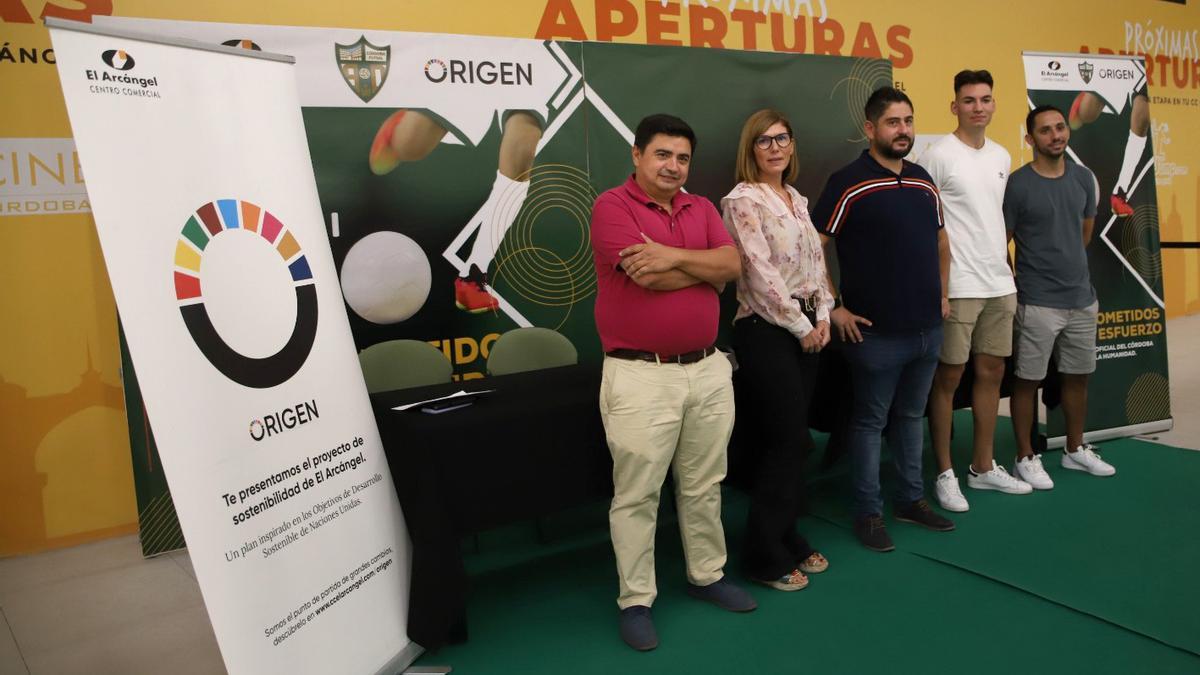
pixel 386 277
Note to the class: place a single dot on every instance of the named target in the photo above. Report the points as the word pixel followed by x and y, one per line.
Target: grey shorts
pixel 1070 334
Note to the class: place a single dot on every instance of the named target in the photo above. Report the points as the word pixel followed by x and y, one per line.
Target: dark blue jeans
pixel 892 374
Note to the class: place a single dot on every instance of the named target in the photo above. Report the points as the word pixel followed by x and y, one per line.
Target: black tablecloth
pixel 533 446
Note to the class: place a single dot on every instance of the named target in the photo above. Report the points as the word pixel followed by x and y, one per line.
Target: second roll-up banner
pixel 1107 102
pixel 202 187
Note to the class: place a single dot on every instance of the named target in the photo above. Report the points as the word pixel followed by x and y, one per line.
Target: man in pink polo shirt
pixel 666 398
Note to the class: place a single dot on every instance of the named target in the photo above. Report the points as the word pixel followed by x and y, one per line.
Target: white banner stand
pixel 206 207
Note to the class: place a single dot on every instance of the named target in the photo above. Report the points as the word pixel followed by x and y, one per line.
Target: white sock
pixel 1133 152
pixel 495 217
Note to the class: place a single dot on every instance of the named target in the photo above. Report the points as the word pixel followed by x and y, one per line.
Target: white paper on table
pixel 456 394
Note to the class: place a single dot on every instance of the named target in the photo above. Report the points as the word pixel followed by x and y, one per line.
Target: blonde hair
pixel 746 170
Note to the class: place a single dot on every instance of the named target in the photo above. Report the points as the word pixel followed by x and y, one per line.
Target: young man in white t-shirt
pixel 970 172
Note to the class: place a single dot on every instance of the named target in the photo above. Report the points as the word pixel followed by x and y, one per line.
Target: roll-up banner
pixel 206 207
pixel 1108 107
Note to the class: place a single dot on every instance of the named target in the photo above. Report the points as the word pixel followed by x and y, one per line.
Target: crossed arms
pixel 666 268
pixel 620 241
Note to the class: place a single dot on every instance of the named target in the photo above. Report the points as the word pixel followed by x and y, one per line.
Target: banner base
pixel 399 664
pixel 1056 442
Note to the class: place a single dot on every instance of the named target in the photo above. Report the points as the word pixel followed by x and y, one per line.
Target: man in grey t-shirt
pixel 1049 210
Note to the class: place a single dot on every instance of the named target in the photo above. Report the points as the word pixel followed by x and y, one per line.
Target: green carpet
pixel 1096 576
pixel 1125 549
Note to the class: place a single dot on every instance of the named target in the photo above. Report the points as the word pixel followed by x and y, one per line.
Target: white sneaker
pixel 997 479
pixel 1085 459
pixel 1030 470
pixel 948 493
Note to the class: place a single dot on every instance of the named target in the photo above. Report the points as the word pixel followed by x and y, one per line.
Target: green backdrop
pixel 544 265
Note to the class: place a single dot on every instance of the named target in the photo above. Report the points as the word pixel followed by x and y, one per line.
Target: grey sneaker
pixel 997 479
pixel 1030 470
pixel 1085 459
pixel 948 494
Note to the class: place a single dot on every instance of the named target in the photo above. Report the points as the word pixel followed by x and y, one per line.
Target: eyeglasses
pixel 764 142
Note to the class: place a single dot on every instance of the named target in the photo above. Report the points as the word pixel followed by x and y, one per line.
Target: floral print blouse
pixel 782 259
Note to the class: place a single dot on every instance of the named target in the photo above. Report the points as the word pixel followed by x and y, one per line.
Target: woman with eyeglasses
pixel 782 324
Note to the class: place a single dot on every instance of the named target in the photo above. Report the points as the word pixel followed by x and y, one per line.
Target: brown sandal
pixel 814 564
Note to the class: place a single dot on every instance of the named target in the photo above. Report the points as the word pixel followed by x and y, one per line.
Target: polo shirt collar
pixel 906 167
pixel 636 191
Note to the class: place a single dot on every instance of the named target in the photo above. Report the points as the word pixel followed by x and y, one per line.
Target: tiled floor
pixel 101 608
pixel 1183 367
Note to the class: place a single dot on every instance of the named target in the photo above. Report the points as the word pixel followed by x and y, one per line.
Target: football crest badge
pixel 364 67
pixel 1085 71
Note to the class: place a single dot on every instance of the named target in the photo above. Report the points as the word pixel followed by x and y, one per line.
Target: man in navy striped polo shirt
pixel 885 216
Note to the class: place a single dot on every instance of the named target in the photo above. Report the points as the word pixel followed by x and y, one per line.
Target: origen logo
pixel 117 59
pixel 216 219
pixel 479 72
pixel 284 420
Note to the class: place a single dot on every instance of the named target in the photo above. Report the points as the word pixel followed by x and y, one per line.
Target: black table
pixel 533 447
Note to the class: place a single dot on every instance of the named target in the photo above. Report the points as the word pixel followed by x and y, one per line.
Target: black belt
pixel 639 355
pixel 808 303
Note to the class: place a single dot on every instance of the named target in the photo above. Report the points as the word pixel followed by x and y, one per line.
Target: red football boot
pixel 383 158
pixel 1120 205
pixel 470 294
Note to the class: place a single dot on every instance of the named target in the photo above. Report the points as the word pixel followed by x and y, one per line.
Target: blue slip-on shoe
pixel 724 595
pixel 637 628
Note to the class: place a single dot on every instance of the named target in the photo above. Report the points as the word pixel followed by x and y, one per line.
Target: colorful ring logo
pixel 436 70
pixel 209 222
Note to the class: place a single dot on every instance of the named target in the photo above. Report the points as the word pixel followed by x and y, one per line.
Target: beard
pixel 888 150
pixel 1051 154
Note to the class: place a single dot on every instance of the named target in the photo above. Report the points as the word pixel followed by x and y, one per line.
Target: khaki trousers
pixel 660 416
